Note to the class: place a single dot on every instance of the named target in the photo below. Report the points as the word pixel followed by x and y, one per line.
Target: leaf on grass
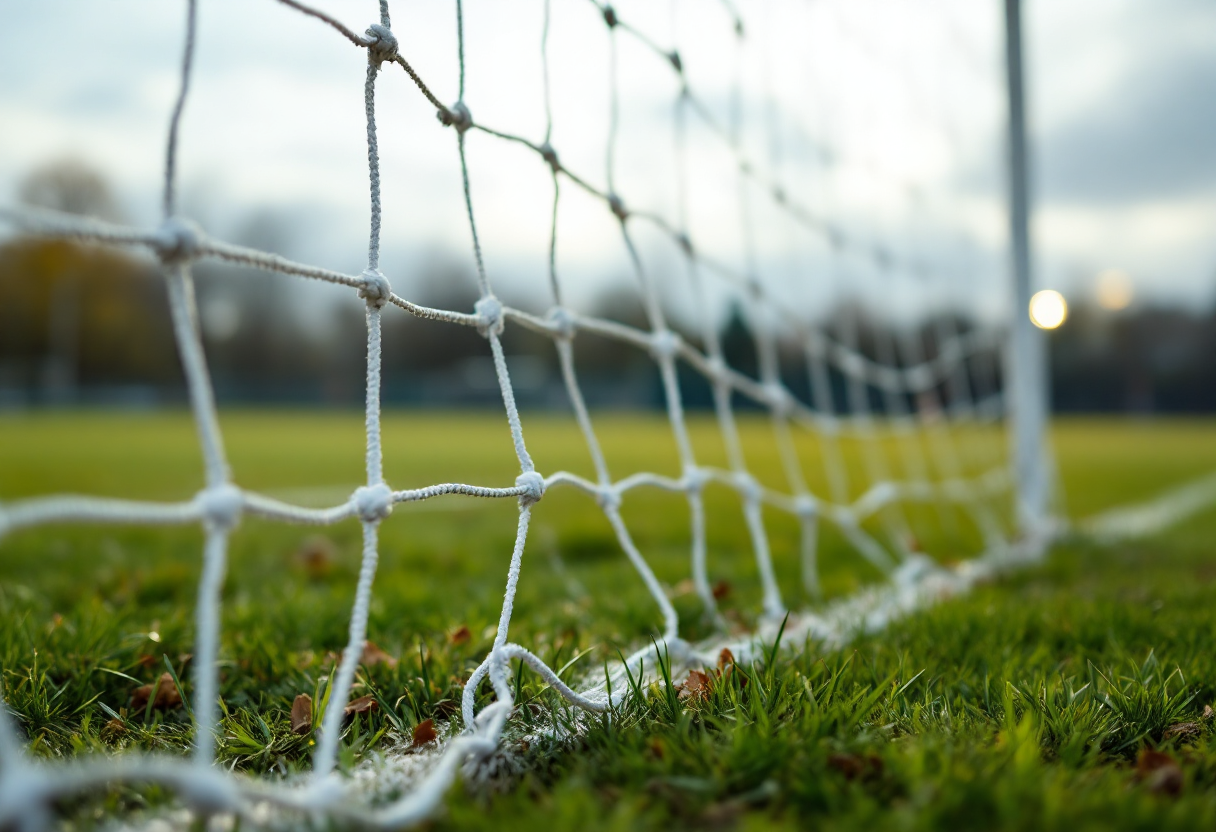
pixel 1208 713
pixel 316 556
pixel 721 590
pixel 424 733
pixel 460 635
pixel 373 655
pixel 857 766
pixel 301 714
pixel 162 692
pixel 147 660
pixel 1159 772
pixel 725 658
pixel 1183 730
pixel 362 705
pixel 114 728
pixel 696 686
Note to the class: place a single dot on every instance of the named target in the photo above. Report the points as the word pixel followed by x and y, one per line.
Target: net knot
pixel 695 479
pixel 178 240
pixel 609 498
pixel 373 502
pixel 716 368
pixel 806 506
pixel 610 16
pixel 457 116
pixel 550 156
pixel 221 505
pixel 211 794
pixel 748 487
pixel 883 493
pixel 685 243
pixel 489 310
pixel 618 207
pixel 676 63
pixel 562 322
pixel 535 485
pixel 778 398
pixel 665 344
pixel 678 650
pixel 375 289
pixel 381 42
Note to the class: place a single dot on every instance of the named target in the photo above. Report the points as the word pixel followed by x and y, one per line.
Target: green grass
pixel 1023 705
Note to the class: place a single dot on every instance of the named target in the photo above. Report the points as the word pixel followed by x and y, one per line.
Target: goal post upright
pixel 1026 362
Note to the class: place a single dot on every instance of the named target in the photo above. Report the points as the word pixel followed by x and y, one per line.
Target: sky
pixel 885 118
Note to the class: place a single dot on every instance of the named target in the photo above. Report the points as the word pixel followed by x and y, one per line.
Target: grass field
pixel 1030 704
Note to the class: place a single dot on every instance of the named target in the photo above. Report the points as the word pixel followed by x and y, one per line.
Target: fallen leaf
pixel 301 714
pixel 147 660
pixel 725 658
pixel 373 655
pixel 1183 730
pixel 424 733
pixel 316 556
pixel 114 728
pixel 696 686
pixel 460 635
pixel 856 766
pixel 162 692
pixel 1208 713
pixel 362 705
pixel 721 590
pixel 684 587
pixel 1159 772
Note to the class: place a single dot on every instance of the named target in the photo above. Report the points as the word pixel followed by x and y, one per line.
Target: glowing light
pixel 1048 309
pixel 1114 290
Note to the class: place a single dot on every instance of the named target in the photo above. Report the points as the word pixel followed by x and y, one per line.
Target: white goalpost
pixel 906 395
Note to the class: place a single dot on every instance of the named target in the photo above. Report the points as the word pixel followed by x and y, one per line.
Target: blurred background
pixel 894 133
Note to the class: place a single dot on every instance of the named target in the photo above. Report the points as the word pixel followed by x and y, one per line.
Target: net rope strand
pixel 28 786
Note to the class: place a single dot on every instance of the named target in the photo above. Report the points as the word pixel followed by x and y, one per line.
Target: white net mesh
pixel 791 230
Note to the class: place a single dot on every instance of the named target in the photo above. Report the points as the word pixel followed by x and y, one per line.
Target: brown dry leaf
pixel 696 686
pixel 460 636
pixel 656 748
pixel 164 691
pixel 373 655
pixel 725 658
pixel 1159 772
pixel 854 766
pixel 1183 730
pixel 1208 713
pixel 114 728
pixel 684 587
pixel 721 590
pixel 362 705
pixel 424 733
pixel 316 556
pixel 147 660
pixel 301 714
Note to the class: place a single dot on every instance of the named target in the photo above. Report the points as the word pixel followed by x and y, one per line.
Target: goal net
pixel 830 189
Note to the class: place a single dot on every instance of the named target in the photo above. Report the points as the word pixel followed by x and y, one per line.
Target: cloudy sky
pixel 884 117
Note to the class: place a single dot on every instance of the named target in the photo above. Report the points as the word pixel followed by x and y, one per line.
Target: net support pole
pixel 1027 358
